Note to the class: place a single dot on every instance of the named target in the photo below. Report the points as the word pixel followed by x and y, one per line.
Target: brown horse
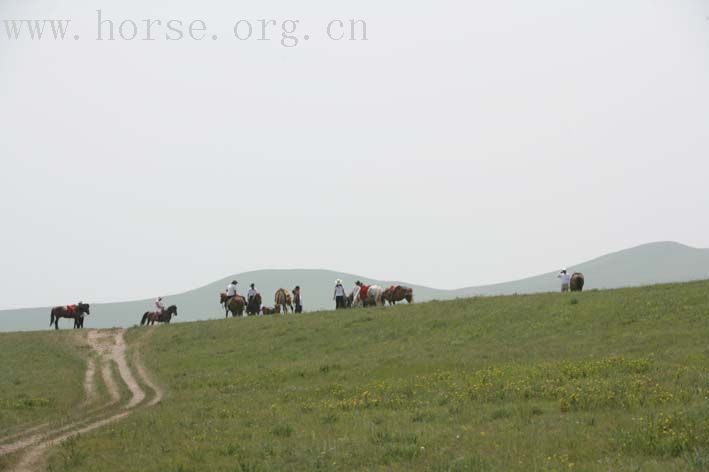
pixel 237 305
pixel 577 281
pixel 253 307
pixel 283 299
pixel 74 312
pixel 271 311
pixel 396 293
pixel 235 309
pixel 150 317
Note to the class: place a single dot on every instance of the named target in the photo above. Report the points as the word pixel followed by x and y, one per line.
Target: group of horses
pixel 374 295
pixel 360 296
pixel 80 310
pixel 238 305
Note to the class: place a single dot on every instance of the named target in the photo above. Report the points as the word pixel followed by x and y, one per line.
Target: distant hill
pixel 653 263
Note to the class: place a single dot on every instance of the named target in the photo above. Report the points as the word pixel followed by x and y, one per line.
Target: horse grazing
pixel 577 281
pixel 237 304
pixel 150 317
pixel 396 293
pixel 253 307
pixel 283 299
pixel 271 311
pixel 75 312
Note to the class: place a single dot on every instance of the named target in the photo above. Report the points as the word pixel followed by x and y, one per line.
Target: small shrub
pixel 500 414
pixel 330 418
pixel 230 450
pixel 72 453
pixel 283 431
pixel 399 453
pixel 422 417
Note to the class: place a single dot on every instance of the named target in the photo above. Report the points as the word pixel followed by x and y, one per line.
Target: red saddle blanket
pixel 71 309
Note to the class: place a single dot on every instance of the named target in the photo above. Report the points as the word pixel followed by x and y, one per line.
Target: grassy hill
pixel 654 263
pixel 648 264
pixel 203 303
pixel 604 380
pixel 42 375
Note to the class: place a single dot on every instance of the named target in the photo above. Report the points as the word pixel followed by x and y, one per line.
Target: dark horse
pixel 577 281
pixel 150 317
pixel 254 306
pixel 75 312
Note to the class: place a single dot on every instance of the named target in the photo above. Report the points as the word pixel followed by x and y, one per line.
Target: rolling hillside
pixel 654 263
pixel 648 264
pixel 598 381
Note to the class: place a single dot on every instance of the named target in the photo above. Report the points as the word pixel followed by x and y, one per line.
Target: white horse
pixel 354 297
pixel 374 296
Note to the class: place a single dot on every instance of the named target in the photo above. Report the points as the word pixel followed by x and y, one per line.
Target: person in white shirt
pixel 231 291
pixel 251 293
pixel 565 280
pixel 339 295
pixel 160 305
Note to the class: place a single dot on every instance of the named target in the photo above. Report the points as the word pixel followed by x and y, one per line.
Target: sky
pixel 463 143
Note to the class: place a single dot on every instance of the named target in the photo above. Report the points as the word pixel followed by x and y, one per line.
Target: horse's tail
pixel 145 318
pixel 51 318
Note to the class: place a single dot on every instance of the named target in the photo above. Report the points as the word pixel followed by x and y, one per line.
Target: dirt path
pixel 90 383
pixel 110 347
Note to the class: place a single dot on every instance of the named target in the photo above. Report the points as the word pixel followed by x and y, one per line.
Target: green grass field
pixel 607 380
pixel 41 377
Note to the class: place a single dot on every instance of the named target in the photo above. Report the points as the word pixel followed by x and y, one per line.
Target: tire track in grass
pixel 111 346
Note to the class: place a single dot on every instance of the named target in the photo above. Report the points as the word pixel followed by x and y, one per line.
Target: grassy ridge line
pixel 595 381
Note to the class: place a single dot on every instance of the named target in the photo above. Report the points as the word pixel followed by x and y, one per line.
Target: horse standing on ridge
pixel 150 317
pixel 253 307
pixel 74 312
pixel 397 293
pixel 237 305
pixel 283 299
pixel 368 296
pixel 577 282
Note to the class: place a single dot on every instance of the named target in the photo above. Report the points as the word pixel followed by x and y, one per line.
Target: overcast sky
pixel 464 143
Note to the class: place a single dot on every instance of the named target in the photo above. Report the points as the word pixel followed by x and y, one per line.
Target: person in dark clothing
pixel 297 300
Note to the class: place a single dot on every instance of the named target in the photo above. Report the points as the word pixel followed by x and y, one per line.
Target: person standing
pixel 339 295
pixel 297 300
pixel 565 280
